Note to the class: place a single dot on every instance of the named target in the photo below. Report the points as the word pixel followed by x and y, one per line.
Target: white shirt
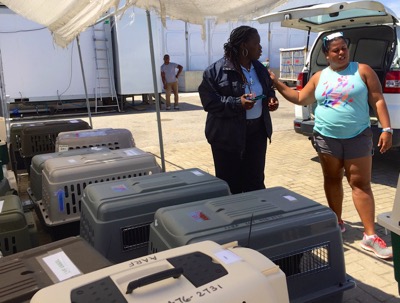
pixel 170 72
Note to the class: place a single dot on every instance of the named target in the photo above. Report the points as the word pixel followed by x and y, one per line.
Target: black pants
pixel 244 171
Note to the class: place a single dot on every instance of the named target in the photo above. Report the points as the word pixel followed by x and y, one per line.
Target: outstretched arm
pixel 304 97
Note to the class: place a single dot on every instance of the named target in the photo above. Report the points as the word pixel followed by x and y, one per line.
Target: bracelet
pixel 387 130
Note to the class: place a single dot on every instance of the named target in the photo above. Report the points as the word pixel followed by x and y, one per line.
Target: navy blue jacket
pixel 220 93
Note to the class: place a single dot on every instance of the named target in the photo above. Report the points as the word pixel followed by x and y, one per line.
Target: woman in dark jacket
pixel 237 94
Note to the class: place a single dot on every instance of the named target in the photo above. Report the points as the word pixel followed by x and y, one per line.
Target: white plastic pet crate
pixel 64 179
pixel 113 138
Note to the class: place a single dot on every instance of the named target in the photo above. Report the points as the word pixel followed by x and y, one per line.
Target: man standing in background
pixel 169 78
pixel 266 63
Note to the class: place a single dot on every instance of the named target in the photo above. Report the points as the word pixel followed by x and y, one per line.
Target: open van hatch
pixel 332 16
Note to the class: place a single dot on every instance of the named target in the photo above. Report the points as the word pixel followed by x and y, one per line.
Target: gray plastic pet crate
pixel 40 138
pixel 113 138
pixel 298 234
pixel 17 162
pixel 37 165
pixel 14 230
pixel 64 179
pixel 116 216
pixel 24 273
pixel 391 221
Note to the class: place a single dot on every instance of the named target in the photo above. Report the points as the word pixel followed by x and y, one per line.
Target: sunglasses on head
pixel 331 37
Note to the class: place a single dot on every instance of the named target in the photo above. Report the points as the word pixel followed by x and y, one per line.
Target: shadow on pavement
pixel 183 106
pixel 364 290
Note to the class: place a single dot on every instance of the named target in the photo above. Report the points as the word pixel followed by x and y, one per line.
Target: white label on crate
pixel 197 173
pixel 132 152
pixel 290 198
pixel 62 148
pixel 1 205
pixel 61 266
pixel 227 257
pixel 96 148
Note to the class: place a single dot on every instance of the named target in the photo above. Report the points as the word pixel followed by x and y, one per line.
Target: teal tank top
pixel 342 110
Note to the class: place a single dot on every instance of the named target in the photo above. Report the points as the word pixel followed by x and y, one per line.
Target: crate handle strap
pixel 165 274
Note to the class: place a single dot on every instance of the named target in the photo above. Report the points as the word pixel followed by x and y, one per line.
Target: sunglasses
pixel 331 37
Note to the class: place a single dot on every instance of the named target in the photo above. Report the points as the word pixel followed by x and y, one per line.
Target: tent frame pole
pixel 156 95
pixel 84 82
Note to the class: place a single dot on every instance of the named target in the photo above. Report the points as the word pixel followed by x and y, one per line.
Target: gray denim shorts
pixel 352 148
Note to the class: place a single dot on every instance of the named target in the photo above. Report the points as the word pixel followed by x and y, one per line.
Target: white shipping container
pixel 35 68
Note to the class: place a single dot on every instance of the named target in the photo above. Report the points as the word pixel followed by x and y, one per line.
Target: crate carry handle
pixel 165 274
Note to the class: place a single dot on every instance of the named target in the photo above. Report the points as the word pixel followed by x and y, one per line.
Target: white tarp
pixel 67 18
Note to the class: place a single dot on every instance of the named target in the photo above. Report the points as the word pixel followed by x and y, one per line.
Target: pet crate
pixel 298 234
pixel 116 216
pixel 14 230
pixel 40 138
pixel 113 138
pixel 37 165
pixel 200 272
pixel 64 179
pixel 391 221
pixel 24 273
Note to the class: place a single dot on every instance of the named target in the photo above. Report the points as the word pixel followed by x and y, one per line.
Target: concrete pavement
pixel 291 163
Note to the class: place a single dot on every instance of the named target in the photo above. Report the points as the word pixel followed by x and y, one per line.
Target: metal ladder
pixel 104 87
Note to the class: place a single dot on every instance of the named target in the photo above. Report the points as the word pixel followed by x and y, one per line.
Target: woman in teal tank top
pixel 343 92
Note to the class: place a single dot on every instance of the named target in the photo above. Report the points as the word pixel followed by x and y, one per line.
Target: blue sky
pixel 394 5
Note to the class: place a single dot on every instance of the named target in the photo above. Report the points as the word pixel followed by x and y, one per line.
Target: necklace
pixel 247 79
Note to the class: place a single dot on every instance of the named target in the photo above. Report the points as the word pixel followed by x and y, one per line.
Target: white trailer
pixel 292 62
pixel 35 69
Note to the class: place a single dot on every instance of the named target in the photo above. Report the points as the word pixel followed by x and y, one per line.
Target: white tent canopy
pixel 67 18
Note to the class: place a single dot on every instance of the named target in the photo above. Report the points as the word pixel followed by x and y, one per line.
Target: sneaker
pixel 176 107
pixel 168 108
pixel 378 246
pixel 341 226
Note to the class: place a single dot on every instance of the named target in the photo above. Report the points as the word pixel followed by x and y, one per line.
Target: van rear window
pixel 350 14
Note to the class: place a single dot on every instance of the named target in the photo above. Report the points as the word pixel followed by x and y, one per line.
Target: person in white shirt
pixel 169 77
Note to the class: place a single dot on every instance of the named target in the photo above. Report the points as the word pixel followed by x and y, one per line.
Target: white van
pixel 373 38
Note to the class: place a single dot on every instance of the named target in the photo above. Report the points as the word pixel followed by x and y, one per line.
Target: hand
pixel 273 76
pixel 273 104
pixel 385 142
pixel 246 103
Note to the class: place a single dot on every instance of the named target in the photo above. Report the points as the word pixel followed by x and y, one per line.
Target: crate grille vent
pixel 304 262
pixel 134 237
pixel 86 231
pixel 39 144
pixel 8 245
pixel 73 192
pixel 110 145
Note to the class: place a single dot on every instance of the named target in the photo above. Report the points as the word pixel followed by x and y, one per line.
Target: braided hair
pixel 238 36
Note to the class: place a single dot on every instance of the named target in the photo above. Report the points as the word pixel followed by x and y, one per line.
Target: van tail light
pixel 301 81
pixel 391 84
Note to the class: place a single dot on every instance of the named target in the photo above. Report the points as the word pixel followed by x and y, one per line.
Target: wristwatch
pixel 387 130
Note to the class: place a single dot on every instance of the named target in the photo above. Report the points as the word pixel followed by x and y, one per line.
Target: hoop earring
pixel 245 52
